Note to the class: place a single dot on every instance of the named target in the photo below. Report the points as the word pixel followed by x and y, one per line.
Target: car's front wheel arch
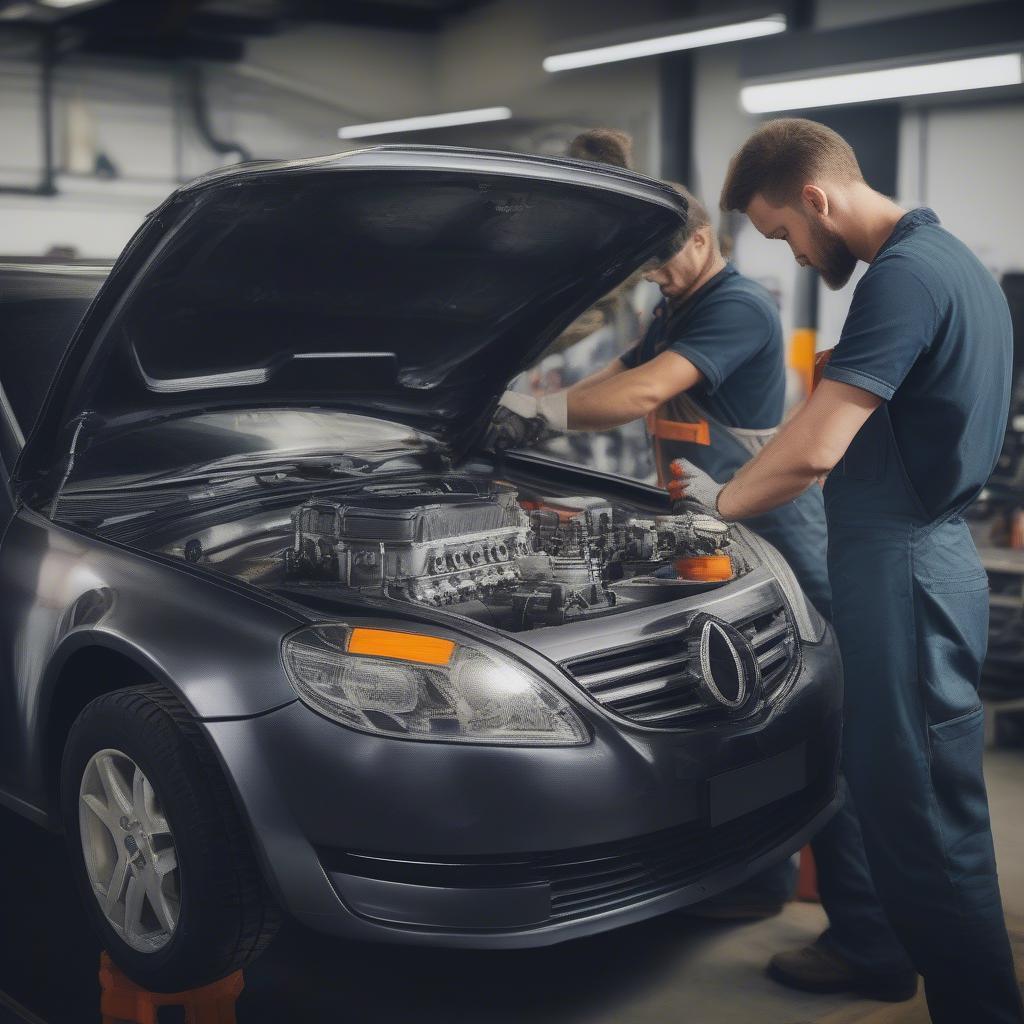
pixel 78 673
pixel 144 801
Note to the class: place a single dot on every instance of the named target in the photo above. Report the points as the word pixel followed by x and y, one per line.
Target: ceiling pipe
pixel 199 101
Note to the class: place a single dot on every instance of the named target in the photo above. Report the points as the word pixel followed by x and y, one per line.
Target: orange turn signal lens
pixel 705 568
pixel 386 643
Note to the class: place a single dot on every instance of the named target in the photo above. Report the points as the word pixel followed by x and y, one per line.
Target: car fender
pixel 215 643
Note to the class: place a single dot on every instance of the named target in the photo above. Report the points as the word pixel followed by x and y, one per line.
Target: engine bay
pixel 476 547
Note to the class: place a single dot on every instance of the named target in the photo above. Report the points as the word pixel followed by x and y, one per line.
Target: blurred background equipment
pixel 997 520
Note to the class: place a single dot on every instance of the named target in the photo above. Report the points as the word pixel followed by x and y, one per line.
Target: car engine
pixel 485 550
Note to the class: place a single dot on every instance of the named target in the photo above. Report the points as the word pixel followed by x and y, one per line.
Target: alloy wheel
pixel 130 857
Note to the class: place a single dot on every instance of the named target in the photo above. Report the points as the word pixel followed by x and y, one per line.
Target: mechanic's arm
pixel 616 396
pixel 806 448
pixel 613 369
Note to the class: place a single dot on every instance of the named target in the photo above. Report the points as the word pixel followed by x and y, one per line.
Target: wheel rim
pixel 130 857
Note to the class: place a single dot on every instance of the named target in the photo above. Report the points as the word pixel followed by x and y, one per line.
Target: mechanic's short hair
pixel 696 218
pixel 781 157
pixel 604 146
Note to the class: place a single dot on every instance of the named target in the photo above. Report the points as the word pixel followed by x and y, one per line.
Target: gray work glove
pixel 521 421
pixel 689 483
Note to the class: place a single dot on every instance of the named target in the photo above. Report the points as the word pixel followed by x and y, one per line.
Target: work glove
pixel 689 483
pixel 521 421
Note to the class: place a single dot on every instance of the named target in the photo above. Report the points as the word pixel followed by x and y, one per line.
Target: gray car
pixel 278 633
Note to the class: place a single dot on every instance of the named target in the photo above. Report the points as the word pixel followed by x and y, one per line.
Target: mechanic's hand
pixel 510 430
pixel 516 423
pixel 689 483
pixel 521 421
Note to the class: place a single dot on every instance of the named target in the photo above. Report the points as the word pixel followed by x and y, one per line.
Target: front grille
pixel 669 860
pixel 596 879
pixel 657 683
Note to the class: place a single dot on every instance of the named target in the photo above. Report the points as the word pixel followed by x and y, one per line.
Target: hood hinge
pixel 80 423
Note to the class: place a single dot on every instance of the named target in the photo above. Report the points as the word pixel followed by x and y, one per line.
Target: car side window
pixel 39 311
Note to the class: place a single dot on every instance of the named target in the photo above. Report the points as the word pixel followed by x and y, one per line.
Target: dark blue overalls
pixel 928 331
pixel 730 331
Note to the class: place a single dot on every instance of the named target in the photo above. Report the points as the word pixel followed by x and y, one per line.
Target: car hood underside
pixel 406 283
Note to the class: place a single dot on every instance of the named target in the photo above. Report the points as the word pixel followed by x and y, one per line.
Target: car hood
pixel 409 283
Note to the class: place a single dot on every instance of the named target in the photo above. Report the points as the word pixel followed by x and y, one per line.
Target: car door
pixel 11 441
pixel 40 306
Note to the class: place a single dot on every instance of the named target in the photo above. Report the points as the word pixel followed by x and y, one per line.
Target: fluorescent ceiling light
pixel 68 3
pixel 416 124
pixel 888 83
pixel 765 26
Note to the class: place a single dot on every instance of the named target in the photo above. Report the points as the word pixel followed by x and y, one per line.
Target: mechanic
pixel 907 423
pixel 709 378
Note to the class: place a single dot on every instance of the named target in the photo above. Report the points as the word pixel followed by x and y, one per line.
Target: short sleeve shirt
pixel 730 331
pixel 929 332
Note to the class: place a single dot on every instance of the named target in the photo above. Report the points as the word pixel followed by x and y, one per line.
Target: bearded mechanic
pixel 907 423
pixel 709 378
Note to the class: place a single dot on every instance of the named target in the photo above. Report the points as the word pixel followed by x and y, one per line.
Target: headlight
pixel 425 687
pixel 809 624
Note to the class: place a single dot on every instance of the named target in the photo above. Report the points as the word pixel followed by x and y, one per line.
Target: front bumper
pixel 504 847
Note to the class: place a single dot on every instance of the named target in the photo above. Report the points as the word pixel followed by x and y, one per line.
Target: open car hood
pixel 409 283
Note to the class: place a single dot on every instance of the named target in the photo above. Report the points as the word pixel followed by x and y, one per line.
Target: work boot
pixel 815 968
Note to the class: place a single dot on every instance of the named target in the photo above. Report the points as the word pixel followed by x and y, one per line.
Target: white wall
pixel 295 89
pixel 494 55
pixel 286 99
pixel 978 199
pixel 964 160
pixel 292 92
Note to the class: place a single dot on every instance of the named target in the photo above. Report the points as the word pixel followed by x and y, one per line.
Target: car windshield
pixel 217 443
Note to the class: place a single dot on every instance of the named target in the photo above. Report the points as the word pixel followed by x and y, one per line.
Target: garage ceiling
pixel 231 17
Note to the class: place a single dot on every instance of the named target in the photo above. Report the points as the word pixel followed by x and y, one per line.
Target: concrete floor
pixel 669 969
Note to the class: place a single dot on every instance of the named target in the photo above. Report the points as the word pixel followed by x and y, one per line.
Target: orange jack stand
pixel 121 1000
pixel 807 879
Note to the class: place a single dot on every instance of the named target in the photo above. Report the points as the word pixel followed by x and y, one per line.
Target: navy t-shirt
pixel 929 332
pixel 730 331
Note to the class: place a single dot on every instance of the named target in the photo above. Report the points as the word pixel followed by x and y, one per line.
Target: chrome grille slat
pixel 760 639
pixel 632 690
pixel 593 680
pixel 667 685
pixel 659 716
pixel 657 683
pixel 772 655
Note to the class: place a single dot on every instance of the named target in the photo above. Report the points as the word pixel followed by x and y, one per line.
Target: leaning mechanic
pixel 709 377
pixel 907 423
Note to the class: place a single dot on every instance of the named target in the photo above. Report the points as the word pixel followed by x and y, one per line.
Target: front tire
pixel 160 854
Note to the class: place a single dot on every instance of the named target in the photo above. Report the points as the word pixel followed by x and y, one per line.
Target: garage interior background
pixel 144 95
pixel 107 105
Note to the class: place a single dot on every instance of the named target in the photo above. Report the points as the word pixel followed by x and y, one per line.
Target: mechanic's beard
pixel 687 291
pixel 834 261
